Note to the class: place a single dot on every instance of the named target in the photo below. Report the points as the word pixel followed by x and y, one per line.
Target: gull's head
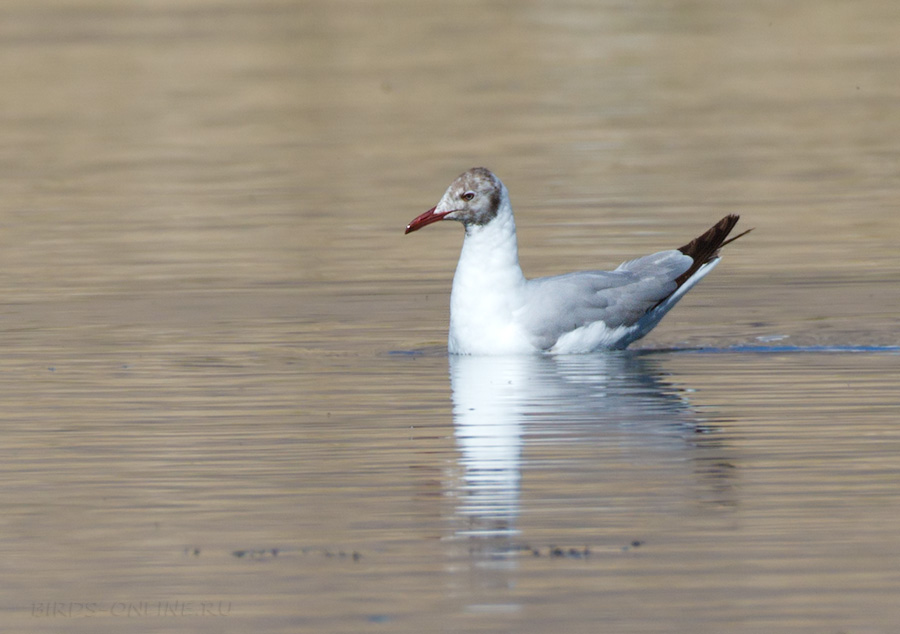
pixel 474 198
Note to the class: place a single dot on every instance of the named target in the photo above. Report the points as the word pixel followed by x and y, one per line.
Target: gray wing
pixel 560 304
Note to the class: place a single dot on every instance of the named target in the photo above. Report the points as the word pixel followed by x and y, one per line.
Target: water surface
pixel 226 401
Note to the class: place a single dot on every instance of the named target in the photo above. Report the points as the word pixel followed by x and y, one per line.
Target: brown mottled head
pixel 474 198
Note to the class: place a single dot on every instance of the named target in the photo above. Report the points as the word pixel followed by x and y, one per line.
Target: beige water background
pixel 226 405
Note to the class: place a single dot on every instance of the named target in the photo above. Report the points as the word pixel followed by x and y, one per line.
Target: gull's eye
pixel 468 196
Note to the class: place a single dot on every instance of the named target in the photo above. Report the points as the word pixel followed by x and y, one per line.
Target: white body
pixel 491 300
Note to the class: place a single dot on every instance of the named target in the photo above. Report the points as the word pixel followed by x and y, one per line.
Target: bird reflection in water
pixel 504 406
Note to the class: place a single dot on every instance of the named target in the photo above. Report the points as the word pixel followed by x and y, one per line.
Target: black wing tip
pixel 705 247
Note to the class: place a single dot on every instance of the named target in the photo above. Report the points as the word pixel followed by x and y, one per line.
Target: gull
pixel 495 310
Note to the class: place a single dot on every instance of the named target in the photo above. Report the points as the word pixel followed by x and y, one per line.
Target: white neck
pixel 488 287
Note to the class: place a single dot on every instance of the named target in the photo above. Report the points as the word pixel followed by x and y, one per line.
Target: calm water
pixel 226 401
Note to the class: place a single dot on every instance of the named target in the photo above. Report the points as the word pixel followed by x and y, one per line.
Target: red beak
pixel 425 219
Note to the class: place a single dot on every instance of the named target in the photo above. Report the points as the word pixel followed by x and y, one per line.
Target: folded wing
pixel 561 304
